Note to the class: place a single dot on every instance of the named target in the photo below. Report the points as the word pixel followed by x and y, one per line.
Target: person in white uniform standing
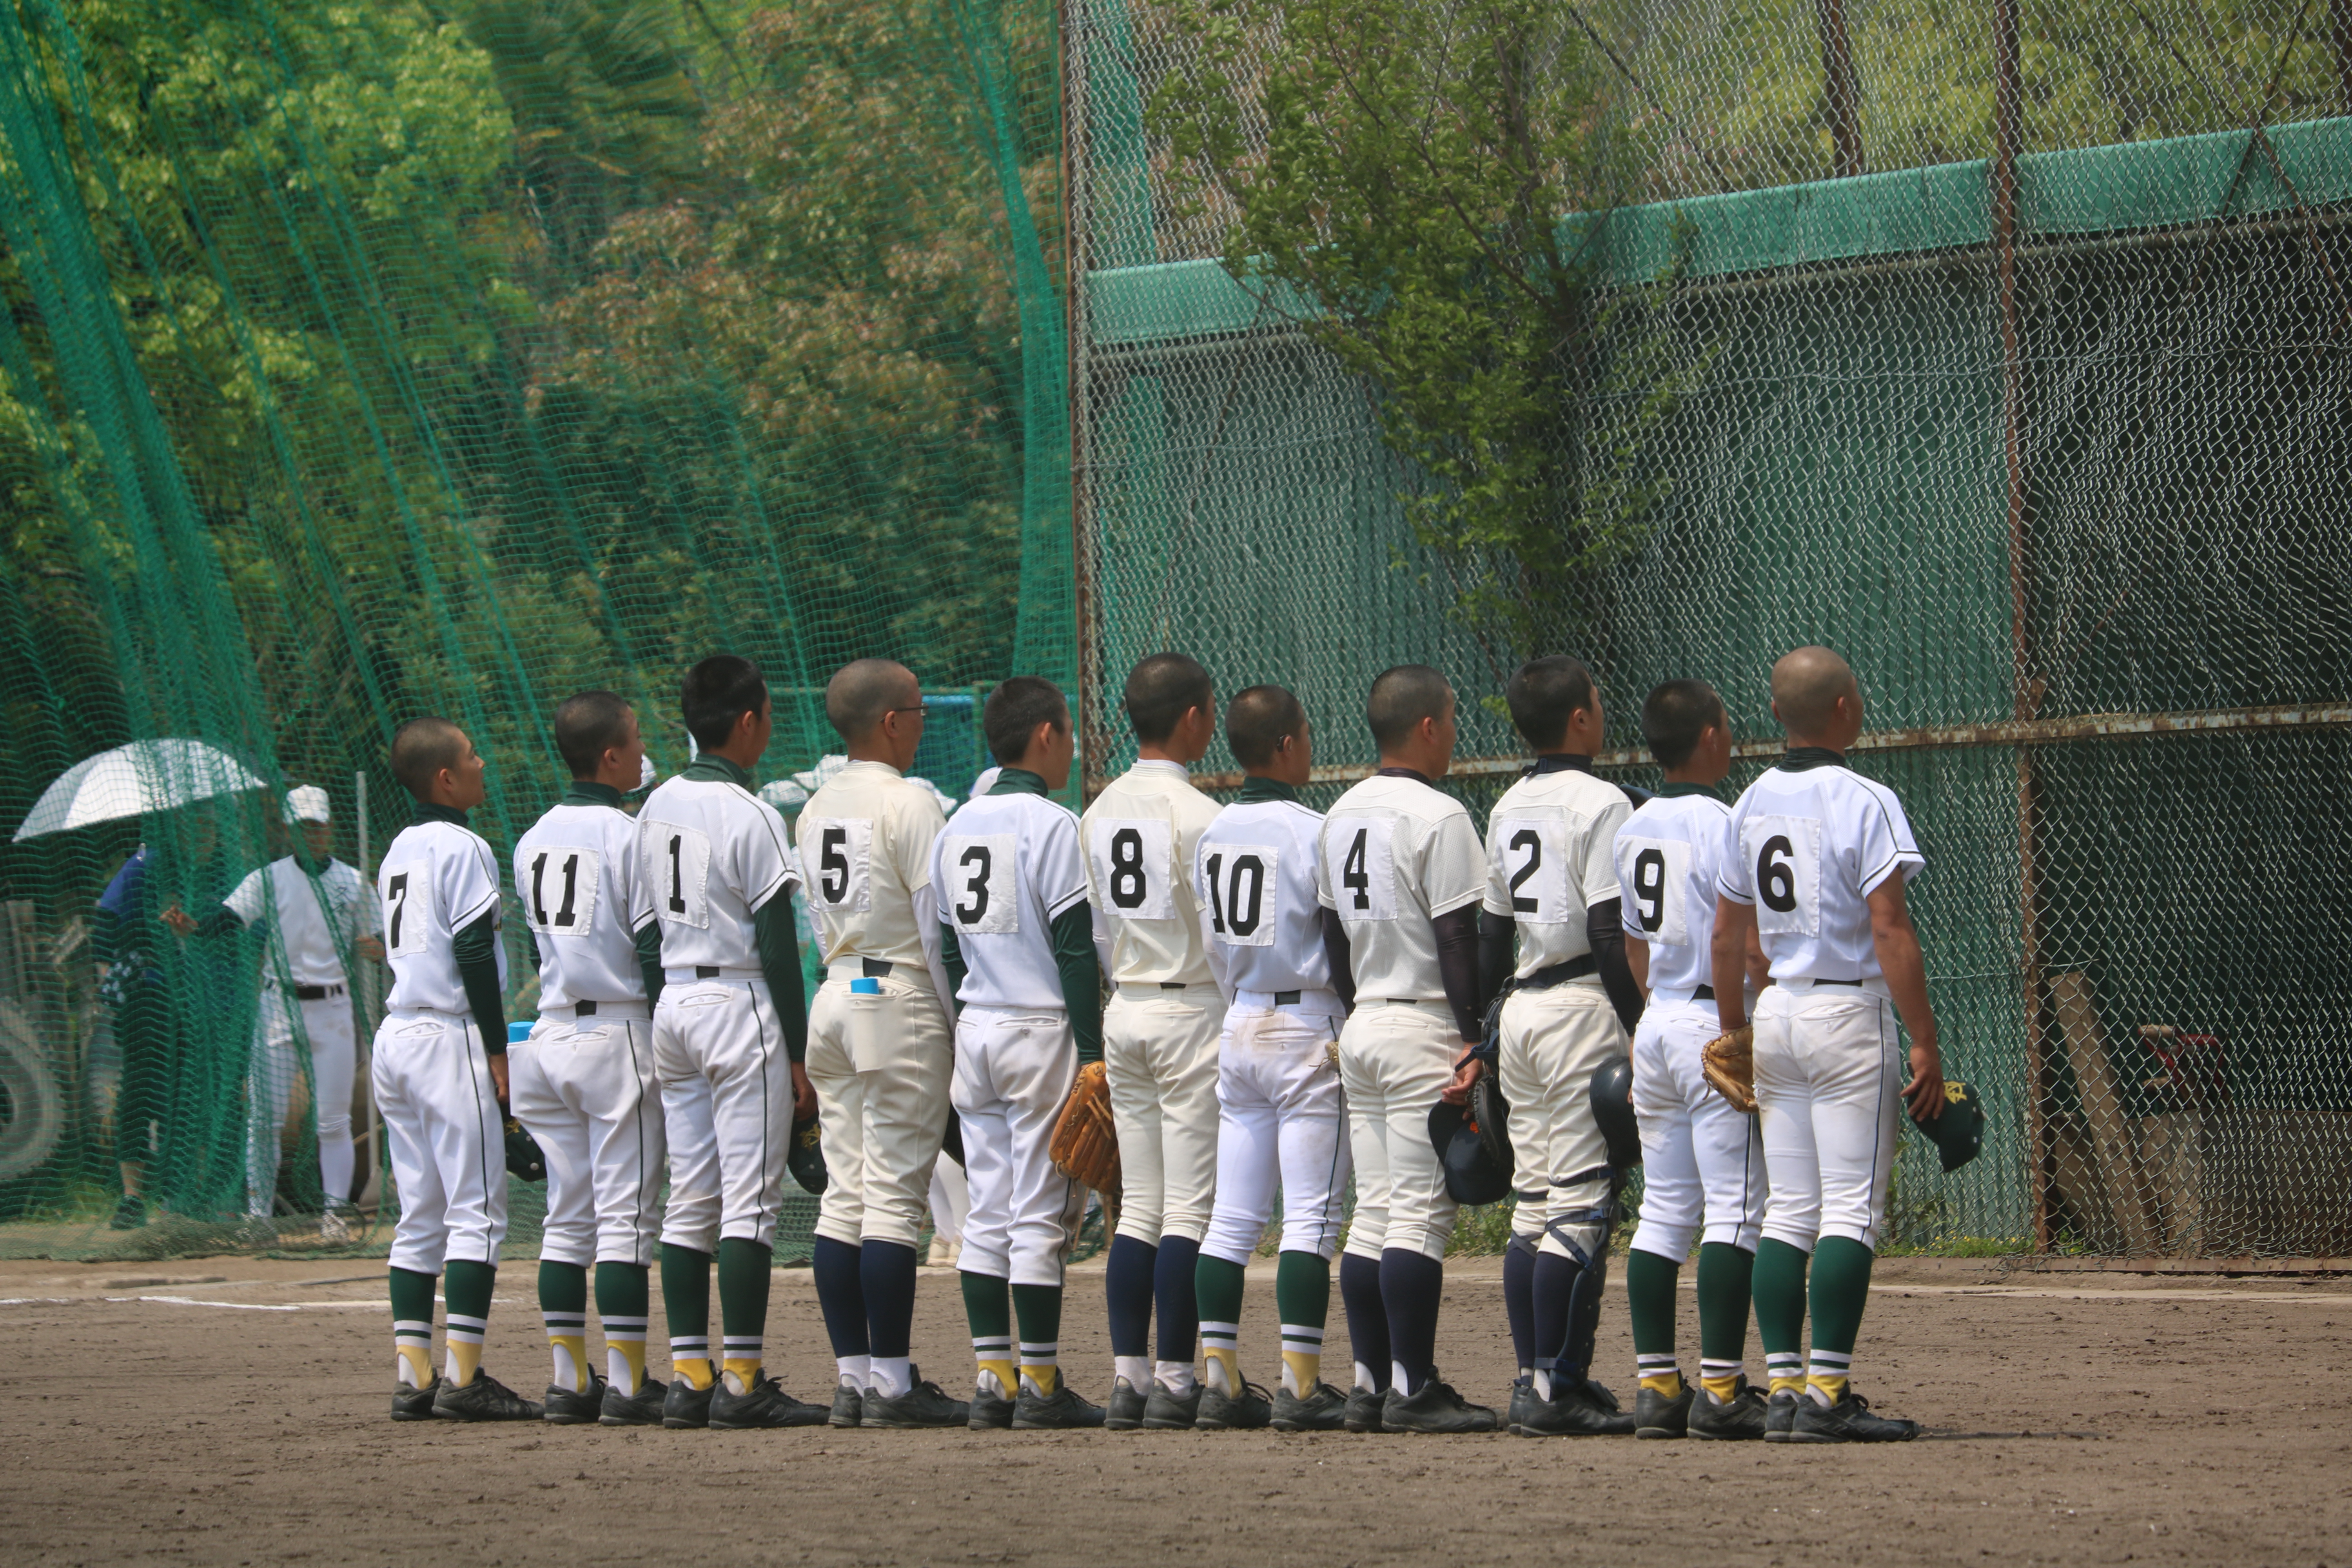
pixel 583 1081
pixel 1282 1120
pixel 440 1078
pixel 879 1052
pixel 1159 1040
pixel 1816 859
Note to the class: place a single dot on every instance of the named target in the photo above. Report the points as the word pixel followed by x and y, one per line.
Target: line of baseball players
pixel 1290 997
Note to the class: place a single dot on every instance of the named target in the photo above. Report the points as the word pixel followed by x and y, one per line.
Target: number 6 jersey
pixel 1807 845
pixel 1669 855
pixel 584 899
pixel 1006 867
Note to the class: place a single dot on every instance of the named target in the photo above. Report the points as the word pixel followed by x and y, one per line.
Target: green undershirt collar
pixel 1018 781
pixel 1257 788
pixel 588 791
pixel 428 812
pixel 1803 758
pixel 1671 791
pixel 715 769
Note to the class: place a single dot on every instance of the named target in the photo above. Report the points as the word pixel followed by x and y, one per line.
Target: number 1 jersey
pixel 1669 857
pixel 436 880
pixel 1807 846
pixel 585 899
pixel 1006 867
pixel 1254 870
pixel 712 855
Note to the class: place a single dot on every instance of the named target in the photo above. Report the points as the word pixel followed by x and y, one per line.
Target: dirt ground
pixel 233 1412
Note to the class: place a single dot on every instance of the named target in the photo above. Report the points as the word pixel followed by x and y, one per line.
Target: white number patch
pixel 1784 856
pixel 1133 864
pixel 407 910
pixel 844 849
pixel 558 883
pixel 1654 874
pixel 1360 860
pixel 1239 884
pixel 981 883
pixel 677 867
pixel 1529 855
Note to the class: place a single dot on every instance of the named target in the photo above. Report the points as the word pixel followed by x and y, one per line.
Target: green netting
pixel 367 361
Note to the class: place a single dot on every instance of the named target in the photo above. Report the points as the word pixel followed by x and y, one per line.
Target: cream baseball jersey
pixel 1393 855
pixel 584 899
pixel 1548 843
pixel 1139 835
pixel 314 936
pixel 865 840
pixel 437 877
pixel 1807 845
pixel 712 854
pixel 1669 858
pixel 1006 867
pixel 1254 870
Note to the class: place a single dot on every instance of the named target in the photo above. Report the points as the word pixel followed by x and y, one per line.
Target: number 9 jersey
pixel 1669 858
pixel 1808 844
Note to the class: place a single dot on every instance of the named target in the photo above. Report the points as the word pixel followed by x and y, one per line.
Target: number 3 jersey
pixel 438 876
pixel 1396 854
pixel 866 841
pixel 712 855
pixel 577 874
pixel 1548 843
pixel 1669 856
pixel 1006 867
pixel 1254 870
pixel 1807 845
pixel 1139 836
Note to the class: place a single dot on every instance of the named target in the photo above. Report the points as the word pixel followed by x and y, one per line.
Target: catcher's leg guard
pixel 1576 1234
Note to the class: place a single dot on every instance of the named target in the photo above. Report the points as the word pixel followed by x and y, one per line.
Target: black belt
pixel 1702 993
pixel 877 968
pixel 1286 998
pixel 1838 982
pixel 316 992
pixel 706 971
pixel 1554 973
pixel 584 1009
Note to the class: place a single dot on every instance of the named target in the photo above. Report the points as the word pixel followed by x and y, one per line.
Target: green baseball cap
pixel 1957 1134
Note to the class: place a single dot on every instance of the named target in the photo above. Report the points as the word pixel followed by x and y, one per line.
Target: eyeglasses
pixel 918 709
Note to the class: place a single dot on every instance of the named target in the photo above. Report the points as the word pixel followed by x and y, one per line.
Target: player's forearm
pixel 650 961
pixel 780 965
pixel 1458 966
pixel 1727 954
pixel 1075 961
pixel 1338 955
pixel 1637 964
pixel 951 959
pixel 1899 960
pixel 1605 928
pixel 219 921
pixel 930 933
pixel 476 949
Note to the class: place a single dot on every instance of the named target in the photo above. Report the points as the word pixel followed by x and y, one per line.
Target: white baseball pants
pixel 1012 1072
pixel 879 1064
pixel 726 1111
pixel 1829 1084
pixel 1702 1162
pixel 446 1139
pixel 1282 1120
pixel 328 1030
pixel 1395 1060
pixel 1160 1049
pixel 1553 1040
pixel 587 1089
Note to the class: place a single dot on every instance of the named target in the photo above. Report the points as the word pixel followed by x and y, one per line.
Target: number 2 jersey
pixel 1548 860
pixel 584 899
pixel 1669 858
pixel 1254 870
pixel 712 855
pixel 1807 845
pixel 1006 867
pixel 438 876
pixel 1139 836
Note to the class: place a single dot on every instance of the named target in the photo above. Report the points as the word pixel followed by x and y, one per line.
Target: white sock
pixel 1365 1378
pixel 1136 1369
pixel 1542 1375
pixel 1400 1380
pixel 1175 1377
pixel 854 1370
pixel 892 1376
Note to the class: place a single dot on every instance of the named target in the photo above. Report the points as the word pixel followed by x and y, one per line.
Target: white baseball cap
pixel 308 803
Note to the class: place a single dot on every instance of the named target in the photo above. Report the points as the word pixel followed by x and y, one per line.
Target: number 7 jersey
pixel 437 877
pixel 585 899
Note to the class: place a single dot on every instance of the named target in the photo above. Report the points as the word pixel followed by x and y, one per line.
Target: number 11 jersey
pixel 1807 845
pixel 585 899
pixel 1006 868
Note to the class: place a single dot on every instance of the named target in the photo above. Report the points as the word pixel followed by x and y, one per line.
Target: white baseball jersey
pixel 1394 855
pixel 438 876
pixel 1254 870
pixel 711 854
pixel 865 838
pixel 1139 836
pixel 1547 851
pixel 584 898
pixel 1807 846
pixel 1669 858
pixel 1005 868
pixel 307 931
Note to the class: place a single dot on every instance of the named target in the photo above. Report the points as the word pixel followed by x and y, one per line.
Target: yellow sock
pixel 696 1370
pixel 465 1360
pixel 625 1353
pixel 1008 1379
pixel 1829 1389
pixel 1786 1370
pixel 1665 1385
pixel 1302 1357
pixel 1044 1379
pixel 416 1359
pixel 1224 1366
pixel 742 1373
pixel 1722 1388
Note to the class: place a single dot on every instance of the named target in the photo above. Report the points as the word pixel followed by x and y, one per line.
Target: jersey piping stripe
pixel 644 1228
pixel 768 819
pixel 1877 1128
pixel 477 1063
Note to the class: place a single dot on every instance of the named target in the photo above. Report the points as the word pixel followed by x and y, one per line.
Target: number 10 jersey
pixel 585 899
pixel 1255 873
pixel 1006 868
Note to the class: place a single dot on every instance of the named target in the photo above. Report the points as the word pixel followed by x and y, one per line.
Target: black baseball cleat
pixel 1063 1409
pixel 1523 1400
pixel 991 1410
pixel 1166 1411
pixel 1435 1408
pixel 1324 1409
pixel 1780 1415
pixel 686 1408
pixel 1364 1407
pixel 1248 1411
pixel 761 1405
pixel 1579 1409
pixel 1125 1411
pixel 643 1408
pixel 484 1399
pixel 1850 1420
pixel 575 1406
pixel 848 1406
pixel 1738 1420
pixel 923 1405
pixel 409 1403
pixel 1655 1415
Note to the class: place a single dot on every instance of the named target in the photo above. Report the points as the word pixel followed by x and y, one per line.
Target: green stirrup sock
pixel 686 1301
pixel 564 1307
pixel 1726 1275
pixel 1841 1289
pixel 412 1327
pixel 1780 1291
pixel 1038 1308
pixel 743 1279
pixel 623 1302
pixel 990 1314
pixel 466 1290
pixel 1302 1296
pixel 1217 1287
pixel 1649 1282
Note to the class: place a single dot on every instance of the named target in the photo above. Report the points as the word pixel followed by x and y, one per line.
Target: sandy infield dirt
pixel 165 1412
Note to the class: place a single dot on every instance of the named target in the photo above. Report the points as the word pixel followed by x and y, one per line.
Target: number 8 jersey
pixel 1808 844
pixel 577 874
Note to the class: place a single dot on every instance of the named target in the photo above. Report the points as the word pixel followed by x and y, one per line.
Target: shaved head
pixel 421 748
pixel 1806 686
pixel 1402 697
pixel 860 693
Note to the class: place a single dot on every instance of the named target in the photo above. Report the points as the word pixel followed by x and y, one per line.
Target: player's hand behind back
pixel 1457 1092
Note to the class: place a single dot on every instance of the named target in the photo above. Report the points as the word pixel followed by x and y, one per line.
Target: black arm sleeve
pixel 1498 953
pixel 477 951
pixel 1604 926
pixel 1343 961
pixel 649 962
pixel 1457 962
pixel 1081 972
pixel 780 965
pixel 531 941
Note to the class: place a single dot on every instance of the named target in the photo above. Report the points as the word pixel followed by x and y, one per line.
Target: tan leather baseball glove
pixel 1729 1063
pixel 1085 1146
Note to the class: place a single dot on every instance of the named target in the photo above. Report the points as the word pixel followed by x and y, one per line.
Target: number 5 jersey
pixel 1807 845
pixel 584 898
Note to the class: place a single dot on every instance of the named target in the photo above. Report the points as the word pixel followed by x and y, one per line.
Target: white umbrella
pixel 143 777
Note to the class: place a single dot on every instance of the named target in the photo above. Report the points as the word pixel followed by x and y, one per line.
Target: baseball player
pixel 315 911
pixel 583 1081
pixel 1553 925
pixel 729 1032
pixel 879 1052
pixel 1702 1161
pixel 440 1077
pixel 1400 864
pixel 1282 1119
pixel 1159 1042
pixel 1017 940
pixel 1816 858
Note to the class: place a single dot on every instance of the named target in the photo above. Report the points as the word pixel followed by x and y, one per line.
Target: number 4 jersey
pixel 1395 854
pixel 1254 870
pixel 1004 870
pixel 1669 856
pixel 584 899
pixel 438 876
pixel 1807 845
